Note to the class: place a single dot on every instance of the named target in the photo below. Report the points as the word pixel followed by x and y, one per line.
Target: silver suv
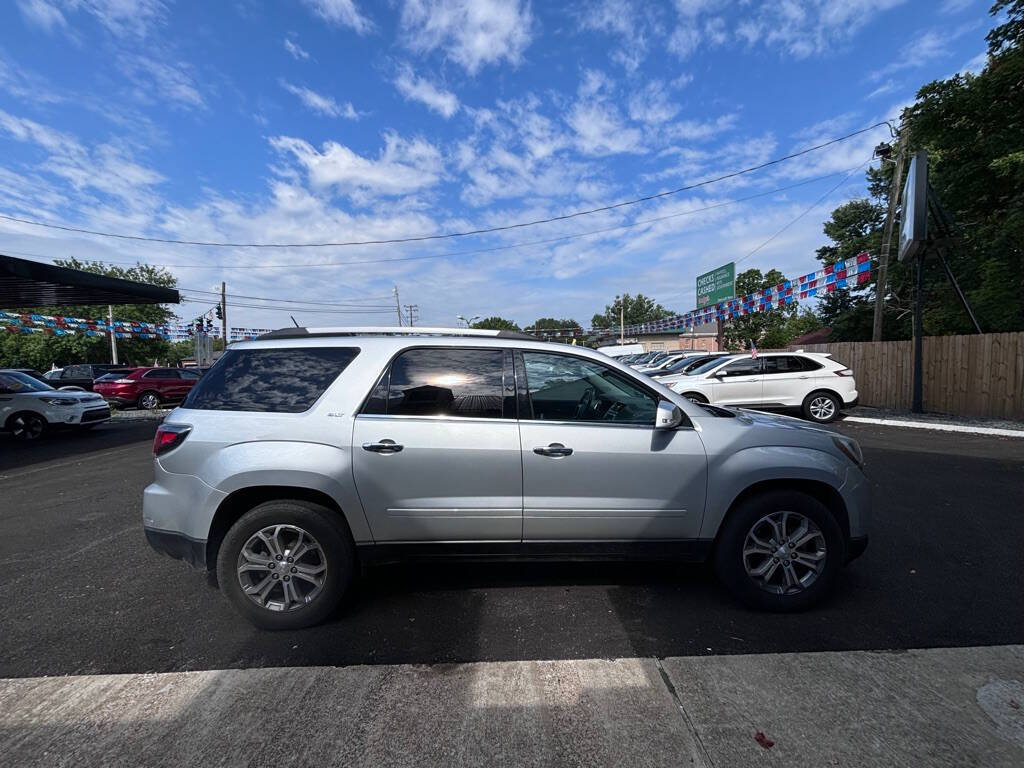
pixel 308 453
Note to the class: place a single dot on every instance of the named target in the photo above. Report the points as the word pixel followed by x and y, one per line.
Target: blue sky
pixel 324 120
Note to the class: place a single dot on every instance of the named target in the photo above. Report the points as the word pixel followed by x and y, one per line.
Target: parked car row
pixel 29 406
pixel 81 395
pixel 809 383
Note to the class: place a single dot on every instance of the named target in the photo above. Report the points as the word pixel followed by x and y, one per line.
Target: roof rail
pixel 390 330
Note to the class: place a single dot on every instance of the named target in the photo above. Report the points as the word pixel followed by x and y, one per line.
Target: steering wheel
pixel 586 399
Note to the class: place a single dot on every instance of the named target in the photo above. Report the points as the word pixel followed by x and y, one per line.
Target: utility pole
pixel 622 323
pixel 410 313
pixel 113 338
pixel 890 220
pixel 398 307
pixel 224 315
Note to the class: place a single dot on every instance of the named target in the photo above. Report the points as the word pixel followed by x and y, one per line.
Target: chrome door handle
pixel 803 377
pixel 555 450
pixel 384 446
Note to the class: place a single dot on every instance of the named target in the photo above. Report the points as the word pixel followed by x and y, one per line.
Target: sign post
pixel 715 286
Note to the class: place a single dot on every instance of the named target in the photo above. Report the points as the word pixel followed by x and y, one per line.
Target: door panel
pixel 435 453
pixel 594 467
pixel 741 383
pixel 785 381
pixel 452 480
pixel 619 482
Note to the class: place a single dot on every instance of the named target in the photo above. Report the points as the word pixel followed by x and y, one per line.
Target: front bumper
pixel 77 414
pixel 179 546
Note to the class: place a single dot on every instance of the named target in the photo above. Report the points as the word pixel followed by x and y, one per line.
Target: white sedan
pixel 28 407
pixel 812 383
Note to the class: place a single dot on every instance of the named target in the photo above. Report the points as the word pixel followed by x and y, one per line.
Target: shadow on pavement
pixel 72 443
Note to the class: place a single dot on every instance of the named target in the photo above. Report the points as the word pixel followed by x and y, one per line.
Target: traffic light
pixel 220 312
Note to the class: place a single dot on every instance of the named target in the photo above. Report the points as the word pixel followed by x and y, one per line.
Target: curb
pixel 937 426
pixel 156 415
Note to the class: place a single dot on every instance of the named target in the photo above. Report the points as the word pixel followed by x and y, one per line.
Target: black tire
pixel 695 397
pixel 27 426
pixel 813 404
pixel 339 554
pixel 143 399
pixel 729 559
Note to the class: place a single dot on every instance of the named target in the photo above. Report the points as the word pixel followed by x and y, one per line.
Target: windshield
pixel 15 382
pixel 705 367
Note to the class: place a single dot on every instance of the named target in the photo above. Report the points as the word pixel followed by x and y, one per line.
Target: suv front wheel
pixel 286 564
pixel 780 551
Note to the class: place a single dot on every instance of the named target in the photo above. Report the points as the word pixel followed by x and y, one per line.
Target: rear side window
pixel 783 364
pixel 810 364
pixel 442 382
pixel 160 374
pixel 269 380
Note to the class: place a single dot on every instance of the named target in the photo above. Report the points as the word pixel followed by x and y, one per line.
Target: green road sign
pixel 716 285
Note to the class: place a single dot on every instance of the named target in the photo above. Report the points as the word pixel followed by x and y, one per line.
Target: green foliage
pixel 972 129
pixel 496 323
pixel 42 351
pixel 551 323
pixel 638 309
pixel 768 330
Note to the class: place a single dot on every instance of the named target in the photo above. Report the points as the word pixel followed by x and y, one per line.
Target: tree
pixel 496 323
pixel 553 324
pixel 766 329
pixel 638 309
pixel 43 351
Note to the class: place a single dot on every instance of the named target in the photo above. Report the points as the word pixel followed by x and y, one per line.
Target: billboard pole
pixel 917 404
pixel 890 219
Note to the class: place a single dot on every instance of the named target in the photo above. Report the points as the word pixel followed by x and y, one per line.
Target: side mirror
pixel 668 416
pixel 718 375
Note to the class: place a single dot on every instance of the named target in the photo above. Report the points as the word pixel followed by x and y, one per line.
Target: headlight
pixel 850 448
pixel 59 400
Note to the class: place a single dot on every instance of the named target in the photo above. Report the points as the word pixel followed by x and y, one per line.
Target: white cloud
pixel 472 33
pixel 403 166
pixel 344 13
pixel 26 85
pixel 323 105
pixel 296 50
pixel 955 6
pixel 42 14
pixel 119 17
pixel 652 104
pixel 442 101
pixel 925 47
pixel 887 87
pixel 623 19
pixel 600 129
pixel 976 64
pixel 171 82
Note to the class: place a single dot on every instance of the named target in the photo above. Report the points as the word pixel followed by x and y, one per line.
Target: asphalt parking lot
pixel 84 594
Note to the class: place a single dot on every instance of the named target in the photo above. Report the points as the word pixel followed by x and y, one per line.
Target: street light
pixel 469 323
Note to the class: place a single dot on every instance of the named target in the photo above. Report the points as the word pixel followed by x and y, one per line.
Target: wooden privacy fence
pixel 978 375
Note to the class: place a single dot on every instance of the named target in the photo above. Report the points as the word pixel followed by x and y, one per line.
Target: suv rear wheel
pixel 286 564
pixel 821 407
pixel 149 400
pixel 780 551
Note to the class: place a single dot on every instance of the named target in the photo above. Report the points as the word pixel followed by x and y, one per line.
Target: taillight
pixel 168 437
pixel 844 372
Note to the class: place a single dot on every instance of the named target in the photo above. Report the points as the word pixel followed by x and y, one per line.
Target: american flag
pixel 753 350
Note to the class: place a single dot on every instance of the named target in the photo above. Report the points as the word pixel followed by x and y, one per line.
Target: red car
pixel 148 387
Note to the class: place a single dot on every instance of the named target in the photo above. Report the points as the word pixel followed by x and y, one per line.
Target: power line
pixel 447 235
pixel 354 303
pixel 492 249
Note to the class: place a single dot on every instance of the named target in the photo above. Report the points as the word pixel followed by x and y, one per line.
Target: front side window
pixel 77 372
pixel 269 380
pixel 746 367
pixel 442 381
pixel 15 382
pixel 563 388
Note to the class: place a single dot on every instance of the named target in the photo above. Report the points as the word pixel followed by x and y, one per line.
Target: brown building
pixel 703 337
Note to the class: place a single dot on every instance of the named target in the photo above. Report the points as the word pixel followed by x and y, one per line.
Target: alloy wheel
pixel 784 553
pixel 149 401
pixel 822 408
pixel 27 426
pixel 282 568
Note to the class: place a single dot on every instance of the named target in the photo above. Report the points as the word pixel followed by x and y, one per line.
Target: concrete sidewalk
pixel 943 707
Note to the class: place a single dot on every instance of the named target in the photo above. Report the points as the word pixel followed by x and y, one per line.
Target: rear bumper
pixel 179 546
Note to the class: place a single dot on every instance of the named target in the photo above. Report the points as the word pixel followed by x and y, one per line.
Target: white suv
pixel 29 407
pixel 810 382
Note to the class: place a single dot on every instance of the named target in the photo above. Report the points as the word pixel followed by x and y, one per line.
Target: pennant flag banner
pixel 61 326
pixel 844 274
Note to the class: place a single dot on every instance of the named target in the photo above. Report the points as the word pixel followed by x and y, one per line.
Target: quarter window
pixel 563 388
pixel 269 380
pixel 466 383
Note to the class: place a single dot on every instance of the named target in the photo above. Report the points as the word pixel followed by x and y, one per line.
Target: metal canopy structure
pixel 32 284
